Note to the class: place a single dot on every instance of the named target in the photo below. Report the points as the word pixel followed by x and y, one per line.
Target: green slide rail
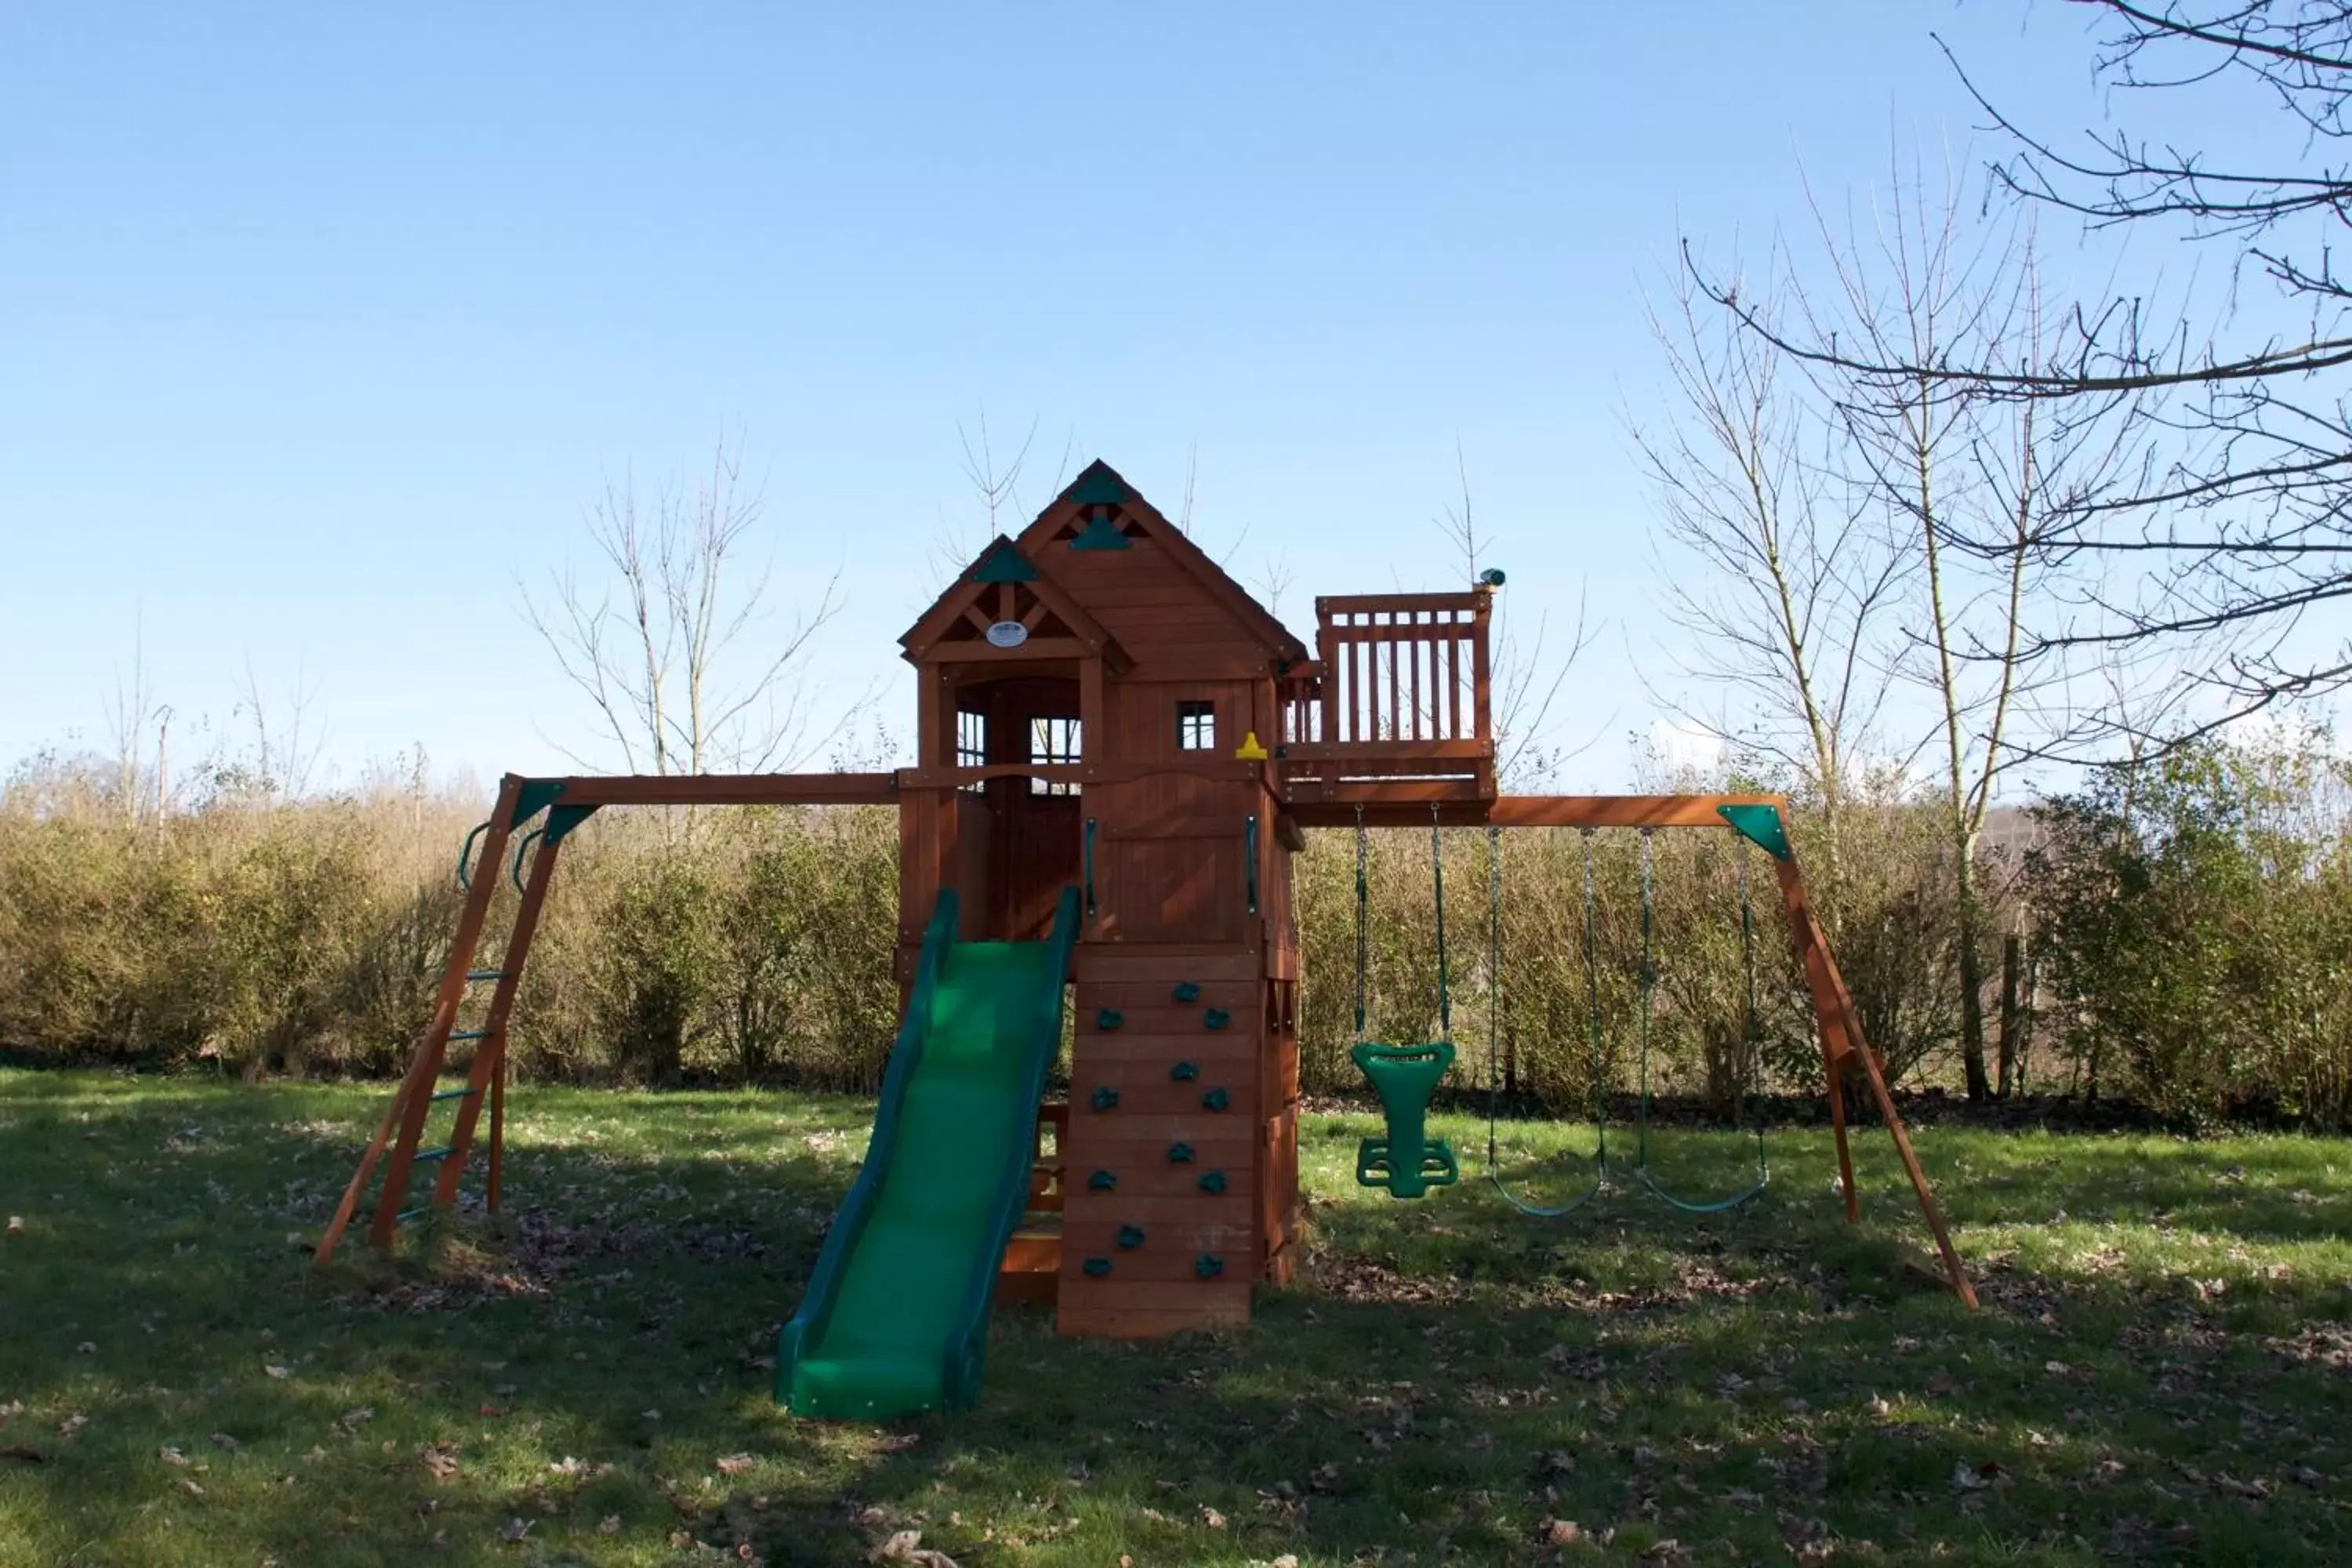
pixel 895 1320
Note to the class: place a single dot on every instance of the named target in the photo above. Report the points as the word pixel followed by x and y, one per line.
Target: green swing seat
pixel 1408 1162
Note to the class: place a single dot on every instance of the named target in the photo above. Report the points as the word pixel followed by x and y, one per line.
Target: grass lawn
pixel 2160 1374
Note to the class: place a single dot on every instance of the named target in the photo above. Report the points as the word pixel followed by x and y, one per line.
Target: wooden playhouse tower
pixel 1085 690
pixel 1101 707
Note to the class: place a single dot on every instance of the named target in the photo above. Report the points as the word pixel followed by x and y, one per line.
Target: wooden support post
pixel 1834 1005
pixel 1837 1050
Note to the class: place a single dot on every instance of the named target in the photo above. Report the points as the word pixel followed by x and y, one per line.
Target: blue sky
pixel 319 324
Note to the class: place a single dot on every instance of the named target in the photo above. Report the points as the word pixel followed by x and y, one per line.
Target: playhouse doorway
pixel 1034 826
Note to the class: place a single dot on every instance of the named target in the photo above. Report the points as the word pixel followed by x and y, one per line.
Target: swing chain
pixel 1363 950
pixel 1437 879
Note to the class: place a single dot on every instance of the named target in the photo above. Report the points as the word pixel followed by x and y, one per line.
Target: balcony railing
pixel 1399 690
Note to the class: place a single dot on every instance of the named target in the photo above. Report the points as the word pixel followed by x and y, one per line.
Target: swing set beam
pixel 1406 802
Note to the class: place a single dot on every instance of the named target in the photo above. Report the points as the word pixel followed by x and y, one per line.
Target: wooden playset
pixel 1103 710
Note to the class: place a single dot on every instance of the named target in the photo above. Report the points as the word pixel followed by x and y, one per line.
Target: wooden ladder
pixel 402 1130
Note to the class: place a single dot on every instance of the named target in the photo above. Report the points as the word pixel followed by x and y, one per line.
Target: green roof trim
pixel 1760 825
pixel 1102 534
pixel 1001 562
pixel 1098 486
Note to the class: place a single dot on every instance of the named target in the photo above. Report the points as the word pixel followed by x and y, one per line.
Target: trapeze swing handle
pixel 1408 1162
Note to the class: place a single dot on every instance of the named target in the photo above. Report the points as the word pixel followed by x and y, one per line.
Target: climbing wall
pixel 1164 1170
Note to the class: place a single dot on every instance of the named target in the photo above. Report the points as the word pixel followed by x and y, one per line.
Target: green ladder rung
pixel 404 1216
pixel 474 974
pixel 441 1095
pixel 426 1156
pixel 469 1034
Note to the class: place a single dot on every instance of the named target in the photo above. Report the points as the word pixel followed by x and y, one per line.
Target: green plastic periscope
pixel 1408 1162
pixel 895 1317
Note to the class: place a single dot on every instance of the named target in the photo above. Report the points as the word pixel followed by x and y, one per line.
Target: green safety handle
pixel 466 853
pixel 1090 868
pixel 521 849
pixel 1249 859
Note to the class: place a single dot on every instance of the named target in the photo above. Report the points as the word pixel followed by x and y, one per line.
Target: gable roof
pixel 1003 568
pixel 1101 486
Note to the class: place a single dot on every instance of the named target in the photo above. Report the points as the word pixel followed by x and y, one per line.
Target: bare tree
pixel 996 485
pixel 1524 674
pixel 675 638
pixel 129 710
pixel 2236 530
pixel 1774 560
pixel 286 744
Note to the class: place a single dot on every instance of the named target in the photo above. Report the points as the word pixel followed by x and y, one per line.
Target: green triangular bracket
pixel 1102 533
pixel 562 819
pixel 1099 487
pixel 535 796
pixel 1004 563
pixel 1760 825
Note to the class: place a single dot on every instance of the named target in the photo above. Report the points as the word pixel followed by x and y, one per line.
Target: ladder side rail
pixel 416 1091
pixel 489 1069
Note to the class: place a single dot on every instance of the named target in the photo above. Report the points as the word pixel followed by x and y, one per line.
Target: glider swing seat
pixel 1407 1161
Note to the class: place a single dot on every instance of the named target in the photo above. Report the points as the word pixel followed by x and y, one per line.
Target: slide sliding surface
pixel 895 1317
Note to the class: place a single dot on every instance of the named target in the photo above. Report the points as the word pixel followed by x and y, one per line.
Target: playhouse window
pixel 1053 741
pixel 1196 726
pixel 972 741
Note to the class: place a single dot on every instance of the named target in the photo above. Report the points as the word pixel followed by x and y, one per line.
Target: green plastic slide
pixel 895 1317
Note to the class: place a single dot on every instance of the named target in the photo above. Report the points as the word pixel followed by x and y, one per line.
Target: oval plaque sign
pixel 1007 633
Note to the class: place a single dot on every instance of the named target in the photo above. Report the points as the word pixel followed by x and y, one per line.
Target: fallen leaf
pixel 15 1224
pixel 352 1419
pixel 1970 1477
pixel 516 1529
pixel 736 1464
pixel 275 1371
pixel 172 1456
pixel 1211 1518
pixel 193 1489
pixel 72 1423
pixel 1559 1533
pixel 440 1462
pixel 609 1525
pixel 223 1440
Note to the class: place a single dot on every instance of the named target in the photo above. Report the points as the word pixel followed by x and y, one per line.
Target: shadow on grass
pixel 1446 1377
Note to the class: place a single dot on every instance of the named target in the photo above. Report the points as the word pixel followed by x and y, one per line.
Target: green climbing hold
pixel 1186 992
pixel 1208 1266
pixel 1179 1153
pixel 1216 1018
pixel 1408 1162
pixel 1004 563
pixel 1213 1182
pixel 1216 1100
pixel 1184 1072
pixel 1108 1018
pixel 1096 1268
pixel 1131 1236
pixel 1105 1097
pixel 1101 1182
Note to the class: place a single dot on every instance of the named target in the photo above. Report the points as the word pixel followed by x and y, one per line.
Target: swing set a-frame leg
pixel 1844 1052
